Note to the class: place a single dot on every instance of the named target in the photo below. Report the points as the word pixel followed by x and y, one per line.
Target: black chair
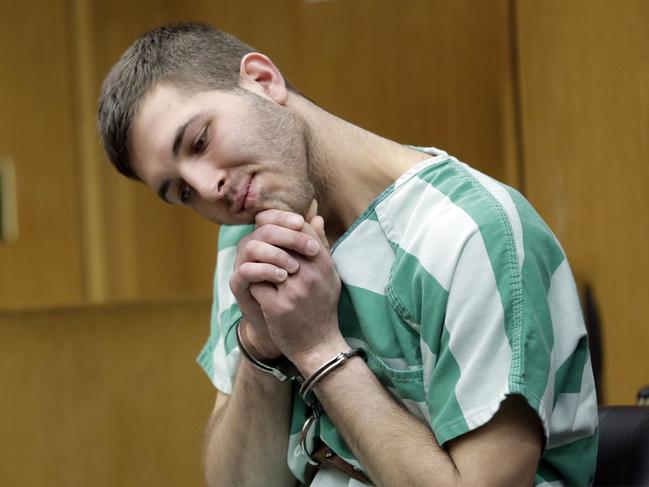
pixel 623 458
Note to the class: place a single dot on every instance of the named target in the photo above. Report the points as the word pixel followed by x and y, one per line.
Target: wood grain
pixel 585 105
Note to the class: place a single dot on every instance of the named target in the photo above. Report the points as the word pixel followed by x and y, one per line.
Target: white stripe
pixel 362 265
pixel 224 269
pixel 327 477
pixel 575 414
pixel 437 243
pixel 475 321
pixel 295 459
pixel 567 326
pixel 429 359
pixel 499 192
pixel 438 156
pixel 555 483
pixel 225 366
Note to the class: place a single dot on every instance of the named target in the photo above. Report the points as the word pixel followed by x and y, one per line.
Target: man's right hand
pixel 265 255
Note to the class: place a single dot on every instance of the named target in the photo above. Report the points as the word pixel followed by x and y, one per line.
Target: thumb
pixel 312 211
pixel 318 225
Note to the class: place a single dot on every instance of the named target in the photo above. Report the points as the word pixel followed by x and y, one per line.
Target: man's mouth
pixel 245 196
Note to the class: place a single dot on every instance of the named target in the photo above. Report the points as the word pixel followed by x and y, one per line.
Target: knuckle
pixel 246 269
pixel 279 255
pixel 264 232
pixel 253 246
pixel 300 240
pixel 242 243
pixel 285 308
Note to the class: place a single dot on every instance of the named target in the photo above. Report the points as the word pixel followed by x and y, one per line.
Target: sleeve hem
pixel 454 429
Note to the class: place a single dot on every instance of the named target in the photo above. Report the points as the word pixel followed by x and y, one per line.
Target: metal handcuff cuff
pixel 282 369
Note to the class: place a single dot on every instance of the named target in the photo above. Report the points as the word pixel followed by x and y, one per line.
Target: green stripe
pixel 546 473
pixel 455 182
pixel 228 319
pixel 229 235
pixel 446 417
pixel 570 372
pixel 542 258
pixel 576 460
pixel 298 415
pixel 417 296
pixel 386 337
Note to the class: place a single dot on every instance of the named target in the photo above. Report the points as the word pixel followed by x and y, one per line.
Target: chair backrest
pixel 623 458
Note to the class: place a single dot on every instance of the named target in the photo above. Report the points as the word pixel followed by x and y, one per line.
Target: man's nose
pixel 210 183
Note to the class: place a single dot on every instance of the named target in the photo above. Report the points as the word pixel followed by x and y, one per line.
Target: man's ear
pixel 258 74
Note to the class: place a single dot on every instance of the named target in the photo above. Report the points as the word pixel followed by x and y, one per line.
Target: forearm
pixel 394 447
pixel 247 440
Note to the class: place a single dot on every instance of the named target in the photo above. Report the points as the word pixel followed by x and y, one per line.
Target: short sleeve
pixel 220 356
pixel 490 290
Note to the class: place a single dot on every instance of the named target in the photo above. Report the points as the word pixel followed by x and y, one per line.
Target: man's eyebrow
pixel 180 134
pixel 162 192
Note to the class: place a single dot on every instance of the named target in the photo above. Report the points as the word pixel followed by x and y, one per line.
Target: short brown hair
pixel 191 55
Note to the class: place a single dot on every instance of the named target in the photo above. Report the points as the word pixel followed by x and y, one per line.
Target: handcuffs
pixel 284 370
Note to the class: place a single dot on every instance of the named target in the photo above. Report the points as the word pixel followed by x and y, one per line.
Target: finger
pixel 253 272
pixel 264 293
pixel 278 217
pixel 240 289
pixel 318 225
pixel 312 211
pixel 305 243
pixel 258 251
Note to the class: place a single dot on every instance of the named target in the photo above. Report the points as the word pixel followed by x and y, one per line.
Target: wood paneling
pixel 103 396
pixel 585 105
pixel 44 265
pixel 419 72
pixel 151 251
pixel 427 73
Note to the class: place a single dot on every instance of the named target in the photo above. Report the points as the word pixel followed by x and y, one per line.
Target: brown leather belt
pixel 328 458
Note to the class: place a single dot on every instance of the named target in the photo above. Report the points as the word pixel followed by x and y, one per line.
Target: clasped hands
pixel 287 288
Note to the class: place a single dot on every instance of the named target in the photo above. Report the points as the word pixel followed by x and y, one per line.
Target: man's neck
pixel 349 166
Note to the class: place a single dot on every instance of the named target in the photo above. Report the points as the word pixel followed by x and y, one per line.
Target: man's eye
pixel 201 142
pixel 184 193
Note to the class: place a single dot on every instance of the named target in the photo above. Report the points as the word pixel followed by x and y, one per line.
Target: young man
pixel 425 316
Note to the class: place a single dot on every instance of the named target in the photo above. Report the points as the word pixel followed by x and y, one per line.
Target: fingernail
pixel 312 247
pixel 292 265
pixel 281 274
pixel 295 220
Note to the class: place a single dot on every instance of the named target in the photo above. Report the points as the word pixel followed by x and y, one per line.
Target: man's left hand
pixel 302 312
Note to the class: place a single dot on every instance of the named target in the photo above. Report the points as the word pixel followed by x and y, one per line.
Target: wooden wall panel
pixel 150 250
pixel 44 265
pixel 103 396
pixel 419 72
pixel 585 104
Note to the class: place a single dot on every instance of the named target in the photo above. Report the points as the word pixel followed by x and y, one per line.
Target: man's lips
pixel 244 197
pixel 251 194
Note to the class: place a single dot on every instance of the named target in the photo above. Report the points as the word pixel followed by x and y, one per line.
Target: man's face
pixel 225 154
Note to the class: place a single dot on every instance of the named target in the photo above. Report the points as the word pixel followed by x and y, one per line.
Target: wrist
pixel 310 361
pixel 258 343
pixel 328 368
pixel 280 367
